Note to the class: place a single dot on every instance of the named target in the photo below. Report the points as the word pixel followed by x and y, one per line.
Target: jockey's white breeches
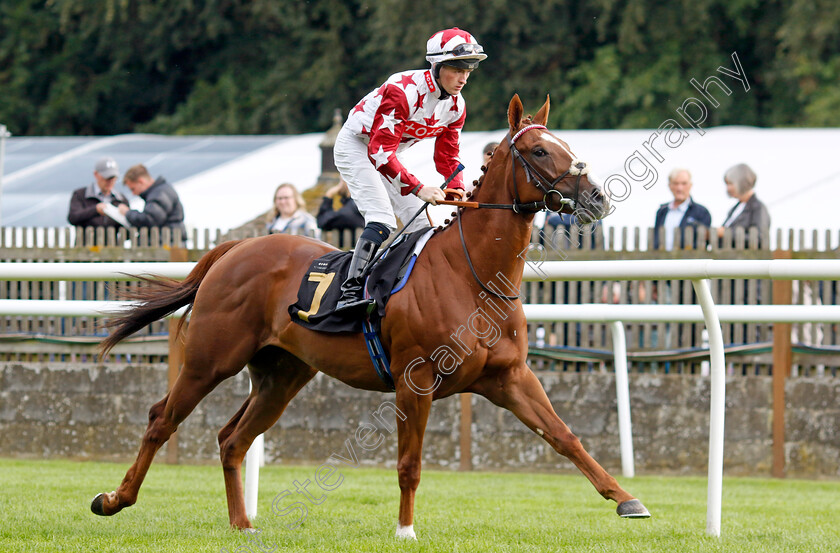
pixel 378 200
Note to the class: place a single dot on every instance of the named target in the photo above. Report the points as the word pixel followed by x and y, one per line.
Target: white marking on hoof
pixel 406 532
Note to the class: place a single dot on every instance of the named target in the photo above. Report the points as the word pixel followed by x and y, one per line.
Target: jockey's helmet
pixel 455 48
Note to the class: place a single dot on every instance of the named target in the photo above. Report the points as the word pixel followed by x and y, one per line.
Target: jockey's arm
pixel 447 152
pixel 385 134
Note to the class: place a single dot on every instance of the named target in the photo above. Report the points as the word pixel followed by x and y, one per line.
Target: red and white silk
pixel 408 108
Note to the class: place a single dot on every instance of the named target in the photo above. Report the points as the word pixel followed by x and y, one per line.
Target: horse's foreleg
pixel 522 394
pixel 411 426
pixel 271 393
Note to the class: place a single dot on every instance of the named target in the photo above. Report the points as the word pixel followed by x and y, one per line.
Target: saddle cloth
pixel 320 288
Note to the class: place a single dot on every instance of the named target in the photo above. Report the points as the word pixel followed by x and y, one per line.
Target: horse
pixel 457 326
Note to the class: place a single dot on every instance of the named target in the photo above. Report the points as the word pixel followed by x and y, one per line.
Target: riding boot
pixel 352 290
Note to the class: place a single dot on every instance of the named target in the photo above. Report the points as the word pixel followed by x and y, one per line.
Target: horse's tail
pixel 161 297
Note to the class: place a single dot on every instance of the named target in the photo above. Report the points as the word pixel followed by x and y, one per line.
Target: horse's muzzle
pixel 592 206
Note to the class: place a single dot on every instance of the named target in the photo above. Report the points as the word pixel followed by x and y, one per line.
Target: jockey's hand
pixel 431 194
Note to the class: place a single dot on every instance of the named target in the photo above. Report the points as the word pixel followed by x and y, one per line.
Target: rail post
pixel 717 404
pixel 466 432
pixel 782 359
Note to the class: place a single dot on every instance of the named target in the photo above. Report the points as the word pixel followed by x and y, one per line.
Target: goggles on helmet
pixel 464 49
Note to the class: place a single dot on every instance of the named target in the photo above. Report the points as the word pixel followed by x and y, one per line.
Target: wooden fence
pixel 559 346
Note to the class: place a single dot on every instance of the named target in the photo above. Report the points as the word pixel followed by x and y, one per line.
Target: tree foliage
pixel 267 66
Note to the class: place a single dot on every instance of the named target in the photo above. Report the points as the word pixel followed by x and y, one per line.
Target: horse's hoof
pixel 97 506
pixel 406 532
pixel 632 508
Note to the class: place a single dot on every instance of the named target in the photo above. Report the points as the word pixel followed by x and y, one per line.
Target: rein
pixel 475 275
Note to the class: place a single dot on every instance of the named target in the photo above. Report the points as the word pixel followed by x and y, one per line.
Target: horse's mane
pixel 527 120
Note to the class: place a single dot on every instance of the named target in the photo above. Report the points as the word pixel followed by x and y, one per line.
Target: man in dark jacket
pixel 681 213
pixel 163 207
pixel 88 204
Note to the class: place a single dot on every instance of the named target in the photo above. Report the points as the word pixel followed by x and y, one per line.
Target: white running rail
pixel 696 270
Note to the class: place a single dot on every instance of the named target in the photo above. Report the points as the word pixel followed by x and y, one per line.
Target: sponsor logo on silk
pixel 417 130
pixel 430 82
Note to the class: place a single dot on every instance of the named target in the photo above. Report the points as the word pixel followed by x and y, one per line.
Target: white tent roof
pixel 226 181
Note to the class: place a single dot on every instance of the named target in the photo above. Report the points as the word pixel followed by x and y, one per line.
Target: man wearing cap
pixel 87 205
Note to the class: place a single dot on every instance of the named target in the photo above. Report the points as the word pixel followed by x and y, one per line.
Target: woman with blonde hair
pixel 290 215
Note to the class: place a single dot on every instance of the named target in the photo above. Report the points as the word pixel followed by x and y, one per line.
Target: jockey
pixel 408 107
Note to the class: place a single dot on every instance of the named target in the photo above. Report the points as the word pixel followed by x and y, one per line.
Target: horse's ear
pixel 542 115
pixel 514 113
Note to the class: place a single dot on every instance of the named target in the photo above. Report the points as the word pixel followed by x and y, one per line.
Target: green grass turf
pixel 45 506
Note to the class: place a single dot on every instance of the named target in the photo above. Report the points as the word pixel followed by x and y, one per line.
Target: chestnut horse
pixel 240 293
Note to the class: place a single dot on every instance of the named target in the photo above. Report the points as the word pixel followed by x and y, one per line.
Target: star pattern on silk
pixel 449 34
pixel 381 90
pixel 381 157
pixel 407 80
pixel 359 107
pixel 389 121
pixel 419 103
pixel 398 180
pixel 454 104
pixel 431 121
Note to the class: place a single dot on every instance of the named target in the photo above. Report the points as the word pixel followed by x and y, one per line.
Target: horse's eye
pixel 539 152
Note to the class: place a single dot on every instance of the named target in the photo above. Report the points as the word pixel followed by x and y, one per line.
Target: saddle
pixel 320 288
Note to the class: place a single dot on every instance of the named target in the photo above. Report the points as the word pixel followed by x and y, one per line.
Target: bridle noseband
pixel 577 168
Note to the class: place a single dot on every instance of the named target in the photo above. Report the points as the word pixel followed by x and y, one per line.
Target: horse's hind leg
pixel 521 392
pixel 164 417
pixel 204 368
pixel 276 377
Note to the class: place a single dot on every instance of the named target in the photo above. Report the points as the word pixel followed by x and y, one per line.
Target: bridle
pixel 576 168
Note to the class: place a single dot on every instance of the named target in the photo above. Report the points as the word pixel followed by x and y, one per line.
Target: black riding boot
pixel 352 290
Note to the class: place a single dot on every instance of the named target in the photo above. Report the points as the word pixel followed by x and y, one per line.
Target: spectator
pixel 488 152
pixel 347 216
pixel 290 215
pixel 681 213
pixel 87 204
pixel 749 211
pixel 163 207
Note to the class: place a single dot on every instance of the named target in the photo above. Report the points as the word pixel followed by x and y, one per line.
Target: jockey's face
pixel 453 79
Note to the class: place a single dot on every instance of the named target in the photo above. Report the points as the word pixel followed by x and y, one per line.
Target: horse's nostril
pixel 596 195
